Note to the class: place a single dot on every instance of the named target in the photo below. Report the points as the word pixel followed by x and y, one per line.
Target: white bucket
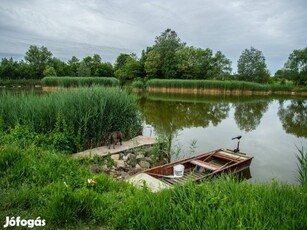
pixel 178 170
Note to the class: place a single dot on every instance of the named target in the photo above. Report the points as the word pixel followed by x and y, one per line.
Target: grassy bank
pixel 221 86
pixel 67 81
pixel 30 187
pixel 73 120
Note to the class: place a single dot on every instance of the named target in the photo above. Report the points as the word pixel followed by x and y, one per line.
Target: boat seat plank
pixel 205 165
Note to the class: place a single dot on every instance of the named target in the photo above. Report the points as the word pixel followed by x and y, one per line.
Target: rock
pixel 115 157
pixel 125 158
pixel 144 164
pixel 140 156
pixel 120 164
pixel 149 159
pixel 138 166
pixel 132 160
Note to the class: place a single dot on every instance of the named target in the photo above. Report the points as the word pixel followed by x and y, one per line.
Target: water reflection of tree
pixel 248 115
pixel 294 117
pixel 161 114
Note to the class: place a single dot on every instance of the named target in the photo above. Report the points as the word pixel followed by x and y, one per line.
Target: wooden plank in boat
pixel 205 165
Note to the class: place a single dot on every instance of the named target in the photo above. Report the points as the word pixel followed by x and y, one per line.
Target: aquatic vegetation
pixel 67 81
pixel 78 119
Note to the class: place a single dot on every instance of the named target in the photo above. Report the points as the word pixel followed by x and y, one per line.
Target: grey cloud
pixel 82 28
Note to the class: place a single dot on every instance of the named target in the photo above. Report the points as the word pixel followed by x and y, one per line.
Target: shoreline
pixel 198 91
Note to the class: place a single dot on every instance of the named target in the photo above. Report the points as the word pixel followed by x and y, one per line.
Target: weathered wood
pixel 205 165
pixel 139 141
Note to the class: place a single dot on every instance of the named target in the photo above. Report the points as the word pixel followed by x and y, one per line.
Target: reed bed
pixel 79 119
pixel 67 81
pixel 222 85
pixel 19 82
pixel 208 84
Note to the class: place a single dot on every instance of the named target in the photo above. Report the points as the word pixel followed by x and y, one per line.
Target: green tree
pixel 152 64
pixel 297 66
pixel 252 66
pixel 194 63
pixel 221 67
pixel 8 69
pixel 130 70
pixel 50 71
pixel 121 61
pixel 25 71
pixel 166 46
pixel 73 65
pixel 83 70
pixel 38 58
pixel 59 67
pixel 95 65
pixel 105 70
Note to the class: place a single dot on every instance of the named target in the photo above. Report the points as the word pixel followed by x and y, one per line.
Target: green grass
pixel 138 84
pixel 302 165
pixel 74 120
pixel 30 187
pixel 79 81
pixel 208 84
pixel 222 85
pixel 21 82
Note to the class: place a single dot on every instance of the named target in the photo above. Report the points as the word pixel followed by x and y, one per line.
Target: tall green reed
pixel 67 81
pixel 302 165
pixel 84 115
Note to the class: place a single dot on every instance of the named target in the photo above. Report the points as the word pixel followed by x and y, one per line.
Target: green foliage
pixel 208 84
pixel 252 66
pixel 49 71
pixel 302 165
pixel 74 120
pixel 14 83
pixel 30 186
pixel 152 64
pixel 138 84
pixel 297 66
pixel 38 58
pixel 128 68
pixel 201 64
pixel 79 81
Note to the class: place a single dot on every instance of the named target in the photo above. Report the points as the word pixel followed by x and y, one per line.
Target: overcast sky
pixel 108 27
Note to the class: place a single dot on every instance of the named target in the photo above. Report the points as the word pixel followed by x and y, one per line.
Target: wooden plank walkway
pixel 126 145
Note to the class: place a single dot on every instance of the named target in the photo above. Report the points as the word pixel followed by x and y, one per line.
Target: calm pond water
pixel 271 128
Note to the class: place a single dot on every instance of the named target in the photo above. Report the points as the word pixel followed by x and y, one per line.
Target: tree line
pixel 168 58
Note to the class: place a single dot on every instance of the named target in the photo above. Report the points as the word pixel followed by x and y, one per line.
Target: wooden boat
pixel 201 167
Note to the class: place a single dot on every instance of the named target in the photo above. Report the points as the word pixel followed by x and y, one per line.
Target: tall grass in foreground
pixel 302 165
pixel 30 187
pixel 79 81
pixel 80 118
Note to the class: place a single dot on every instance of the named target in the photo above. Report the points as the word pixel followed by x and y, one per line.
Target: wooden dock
pixel 135 142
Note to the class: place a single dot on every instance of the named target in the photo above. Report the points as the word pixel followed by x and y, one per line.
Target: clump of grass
pixel 79 81
pixel 302 165
pixel 78 119
pixel 138 84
